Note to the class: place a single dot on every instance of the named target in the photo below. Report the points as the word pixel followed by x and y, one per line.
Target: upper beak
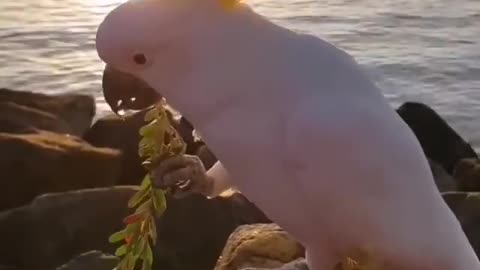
pixel 124 92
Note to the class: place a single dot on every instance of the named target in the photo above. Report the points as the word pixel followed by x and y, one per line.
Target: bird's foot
pixel 183 174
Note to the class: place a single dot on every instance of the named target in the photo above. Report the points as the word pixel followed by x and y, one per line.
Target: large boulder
pixel 31 110
pixel 439 141
pixel 33 164
pixel 467 175
pixel 259 246
pixel 55 228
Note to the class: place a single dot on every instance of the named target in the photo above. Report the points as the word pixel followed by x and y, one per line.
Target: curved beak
pixel 124 92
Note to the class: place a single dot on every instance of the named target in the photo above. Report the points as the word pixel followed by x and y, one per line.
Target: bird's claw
pixel 183 175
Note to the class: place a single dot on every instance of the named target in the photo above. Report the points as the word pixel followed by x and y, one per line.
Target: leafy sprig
pixel 159 141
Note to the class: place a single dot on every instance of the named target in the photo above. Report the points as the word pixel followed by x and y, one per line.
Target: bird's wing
pixel 339 156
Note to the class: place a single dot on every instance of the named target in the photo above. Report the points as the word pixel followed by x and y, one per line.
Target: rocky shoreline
pixel 66 183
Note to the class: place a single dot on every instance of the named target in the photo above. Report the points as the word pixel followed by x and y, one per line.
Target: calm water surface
pixel 419 50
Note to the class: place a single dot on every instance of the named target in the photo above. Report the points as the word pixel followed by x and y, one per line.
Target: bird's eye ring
pixel 140 59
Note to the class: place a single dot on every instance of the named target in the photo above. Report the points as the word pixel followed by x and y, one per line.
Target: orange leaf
pixel 132 218
pixel 128 239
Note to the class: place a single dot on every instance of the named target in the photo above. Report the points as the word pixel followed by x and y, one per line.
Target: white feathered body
pixel 307 137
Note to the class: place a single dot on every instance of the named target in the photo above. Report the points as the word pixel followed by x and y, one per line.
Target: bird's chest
pixel 251 147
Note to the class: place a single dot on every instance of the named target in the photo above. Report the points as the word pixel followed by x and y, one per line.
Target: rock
pixel 73 110
pixel 439 141
pixel 443 180
pixel 16 118
pixel 124 92
pixel 93 260
pixel 466 207
pixel 33 164
pixel 122 134
pixel 467 174
pixel 5 267
pixel 194 230
pixel 259 246
pixel 54 228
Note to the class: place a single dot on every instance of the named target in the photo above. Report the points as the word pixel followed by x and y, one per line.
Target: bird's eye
pixel 140 59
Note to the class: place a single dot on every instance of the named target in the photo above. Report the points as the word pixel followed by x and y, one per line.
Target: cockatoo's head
pixel 154 39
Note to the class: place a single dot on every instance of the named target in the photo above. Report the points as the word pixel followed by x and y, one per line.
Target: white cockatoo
pixel 297 127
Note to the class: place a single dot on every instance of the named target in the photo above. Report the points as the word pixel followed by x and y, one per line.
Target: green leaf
pixel 121 264
pixel 148 255
pixel 153 113
pixel 137 250
pixel 117 237
pixel 146 182
pixel 132 228
pixel 153 232
pixel 137 197
pixel 130 262
pixel 159 201
pixel 122 250
pixel 146 266
pixel 148 130
pixel 144 206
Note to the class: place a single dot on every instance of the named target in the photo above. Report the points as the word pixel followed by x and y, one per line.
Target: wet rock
pixel 33 164
pixel 73 110
pixel 467 175
pixel 93 260
pixel 124 92
pixel 443 180
pixel 439 141
pixel 466 207
pixel 259 246
pixel 55 228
